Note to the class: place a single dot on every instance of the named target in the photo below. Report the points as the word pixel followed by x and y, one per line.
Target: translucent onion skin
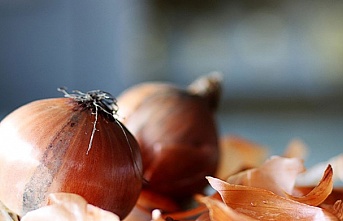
pixel 177 134
pixel 44 149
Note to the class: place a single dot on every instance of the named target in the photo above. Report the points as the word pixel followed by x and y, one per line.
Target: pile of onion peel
pixel 269 192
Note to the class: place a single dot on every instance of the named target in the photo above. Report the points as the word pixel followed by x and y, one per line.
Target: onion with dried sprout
pixel 73 144
pixel 176 130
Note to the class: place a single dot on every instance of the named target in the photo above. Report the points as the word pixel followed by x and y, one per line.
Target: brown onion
pixel 176 131
pixel 73 144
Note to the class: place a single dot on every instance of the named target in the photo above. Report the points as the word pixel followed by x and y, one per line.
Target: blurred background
pixel 281 60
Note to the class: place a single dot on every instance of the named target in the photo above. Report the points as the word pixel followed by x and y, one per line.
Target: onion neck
pixel 96 100
pixel 209 88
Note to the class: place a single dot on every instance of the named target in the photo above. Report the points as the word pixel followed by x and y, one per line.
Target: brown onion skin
pixel 43 149
pixel 177 134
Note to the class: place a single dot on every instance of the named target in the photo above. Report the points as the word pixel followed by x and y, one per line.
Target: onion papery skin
pixel 44 149
pixel 176 131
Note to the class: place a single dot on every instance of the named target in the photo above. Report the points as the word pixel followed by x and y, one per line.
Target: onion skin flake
pixel 265 205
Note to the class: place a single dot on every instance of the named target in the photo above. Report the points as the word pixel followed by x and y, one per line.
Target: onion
pixel 73 144
pixel 177 134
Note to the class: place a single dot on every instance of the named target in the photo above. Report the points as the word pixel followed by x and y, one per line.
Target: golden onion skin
pixel 44 149
pixel 176 131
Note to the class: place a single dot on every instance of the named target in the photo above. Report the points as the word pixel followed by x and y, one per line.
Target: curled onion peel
pixel 219 211
pixel 265 205
pixel 73 144
pixel 69 207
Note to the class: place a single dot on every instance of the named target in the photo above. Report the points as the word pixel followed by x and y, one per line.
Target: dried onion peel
pixel 69 207
pixel 265 205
